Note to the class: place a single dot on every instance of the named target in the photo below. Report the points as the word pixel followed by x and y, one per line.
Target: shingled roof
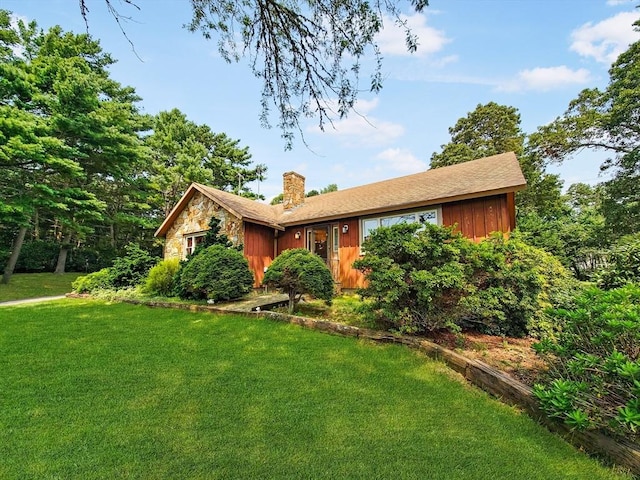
pixel 478 178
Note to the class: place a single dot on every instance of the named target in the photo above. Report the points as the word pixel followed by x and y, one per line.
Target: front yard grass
pixel 96 390
pixel 33 285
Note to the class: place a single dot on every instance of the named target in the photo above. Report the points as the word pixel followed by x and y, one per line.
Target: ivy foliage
pixel 425 277
pixel 593 379
pixel 298 271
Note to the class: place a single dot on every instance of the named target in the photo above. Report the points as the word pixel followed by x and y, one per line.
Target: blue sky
pixel 535 55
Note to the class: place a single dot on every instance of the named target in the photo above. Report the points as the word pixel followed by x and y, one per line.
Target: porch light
pixel 297 235
pixel 345 228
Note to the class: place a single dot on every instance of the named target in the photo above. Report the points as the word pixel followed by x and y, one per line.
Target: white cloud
pixel 607 39
pixel 389 163
pixel 613 3
pixel 392 39
pixel 360 128
pixel 545 79
pixel 401 160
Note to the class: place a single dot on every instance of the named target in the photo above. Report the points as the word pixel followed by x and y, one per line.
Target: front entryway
pixel 323 240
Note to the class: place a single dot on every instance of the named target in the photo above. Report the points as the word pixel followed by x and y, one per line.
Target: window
pixel 370 224
pixel 192 241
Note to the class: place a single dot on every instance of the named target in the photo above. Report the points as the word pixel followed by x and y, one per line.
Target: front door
pixel 323 241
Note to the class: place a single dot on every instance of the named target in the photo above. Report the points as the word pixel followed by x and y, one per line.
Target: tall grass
pixel 93 390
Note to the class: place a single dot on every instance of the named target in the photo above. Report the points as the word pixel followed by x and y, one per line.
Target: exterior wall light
pixel 345 228
pixel 297 235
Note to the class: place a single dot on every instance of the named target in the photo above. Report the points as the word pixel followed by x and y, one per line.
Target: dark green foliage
pixel 90 259
pixel 162 277
pixel 214 237
pixel 131 269
pixel 513 283
pixel 37 256
pixel 415 279
pixel 425 277
pixel 298 271
pixel 216 273
pixel 593 380
pixel 623 264
pixel 41 256
pixel 93 282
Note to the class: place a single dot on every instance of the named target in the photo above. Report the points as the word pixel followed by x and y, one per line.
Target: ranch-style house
pixel 478 197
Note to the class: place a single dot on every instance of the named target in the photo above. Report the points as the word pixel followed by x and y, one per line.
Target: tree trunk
pixel 292 300
pixel 62 257
pixel 15 253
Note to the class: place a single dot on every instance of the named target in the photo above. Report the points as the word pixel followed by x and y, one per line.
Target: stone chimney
pixel 293 190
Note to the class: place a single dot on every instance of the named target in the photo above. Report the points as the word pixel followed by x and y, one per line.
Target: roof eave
pixel 405 206
pixel 175 211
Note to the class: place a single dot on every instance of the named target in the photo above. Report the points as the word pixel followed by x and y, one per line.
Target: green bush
pixel 623 263
pixel 92 282
pixel 216 273
pixel 131 269
pixel 425 277
pixel 593 379
pixel 513 284
pixel 161 278
pixel 298 271
pixel 415 279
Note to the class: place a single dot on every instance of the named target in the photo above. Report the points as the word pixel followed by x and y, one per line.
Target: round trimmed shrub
pixel 216 273
pixel 161 278
pixel 298 271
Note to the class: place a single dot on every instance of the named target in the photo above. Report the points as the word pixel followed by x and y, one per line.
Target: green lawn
pixel 32 285
pixel 94 390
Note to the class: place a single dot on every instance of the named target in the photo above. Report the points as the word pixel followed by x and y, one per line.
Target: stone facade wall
pixel 195 218
pixel 293 190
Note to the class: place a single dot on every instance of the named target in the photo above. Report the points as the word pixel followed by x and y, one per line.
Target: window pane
pixel 398 219
pixel 368 226
pixel 429 217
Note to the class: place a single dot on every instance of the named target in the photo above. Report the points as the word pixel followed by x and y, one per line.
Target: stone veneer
pixel 194 218
pixel 293 190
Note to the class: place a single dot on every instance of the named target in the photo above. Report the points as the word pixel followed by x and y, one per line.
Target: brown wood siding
pixel 349 249
pixel 477 218
pixel 258 249
pixel 288 240
pixel 349 253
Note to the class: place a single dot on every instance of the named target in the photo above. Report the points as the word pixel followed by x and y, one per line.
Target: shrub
pixel 513 283
pixel 298 271
pixel 415 279
pixel 425 277
pixel 216 273
pixel 593 380
pixel 92 282
pixel 131 269
pixel 161 278
pixel 623 263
